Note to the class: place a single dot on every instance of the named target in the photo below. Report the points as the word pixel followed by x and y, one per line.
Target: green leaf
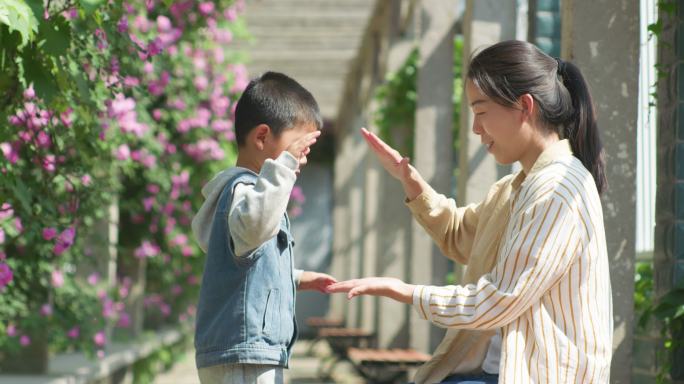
pixel 57 35
pixel 18 16
pixel 679 312
pixel 36 72
pixel 656 28
pixel 91 6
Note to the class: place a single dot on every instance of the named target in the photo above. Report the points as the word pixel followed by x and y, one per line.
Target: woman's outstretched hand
pixel 397 165
pixel 375 286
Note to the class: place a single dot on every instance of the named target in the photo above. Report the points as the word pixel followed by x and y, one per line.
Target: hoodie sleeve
pixel 256 210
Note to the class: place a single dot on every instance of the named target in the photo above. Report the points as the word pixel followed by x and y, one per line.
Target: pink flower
pixel 295 211
pixel 122 153
pixel 122 109
pixel 206 8
pixel 49 233
pixel 93 278
pixel 11 151
pixel 46 310
pixel 165 309
pixel 74 332
pixel 6 211
pixel 71 13
pixel 157 114
pixel 153 189
pixel 131 81
pixel 147 249
pixel 180 239
pixel 65 241
pixel 29 93
pixel 6 275
pixel 124 320
pixel 44 140
pixel 122 25
pixel 297 195
pixel 176 290
pixel 57 278
pixel 66 117
pixel 11 330
pixel 148 203
pixel 49 163
pixel 141 23
pixel 100 339
pixel 24 340
pixel 86 179
pixel 204 150
pixel 230 14
pixel 155 47
pixel 201 83
pixel 2 236
pixel 18 225
pixel 163 24
pixel 108 309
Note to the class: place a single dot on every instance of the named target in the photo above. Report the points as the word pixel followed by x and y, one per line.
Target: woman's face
pixel 500 128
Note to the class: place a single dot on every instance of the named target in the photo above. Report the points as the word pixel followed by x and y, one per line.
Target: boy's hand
pixel 396 164
pixel 302 146
pixel 314 281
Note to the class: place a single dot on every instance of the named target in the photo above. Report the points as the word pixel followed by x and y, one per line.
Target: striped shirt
pixel 549 291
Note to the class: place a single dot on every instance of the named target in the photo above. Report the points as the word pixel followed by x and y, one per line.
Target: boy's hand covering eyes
pixel 302 146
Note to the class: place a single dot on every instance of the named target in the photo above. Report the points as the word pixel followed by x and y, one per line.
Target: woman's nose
pixel 477 128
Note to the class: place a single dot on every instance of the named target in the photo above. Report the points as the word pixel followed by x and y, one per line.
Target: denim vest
pixel 246 307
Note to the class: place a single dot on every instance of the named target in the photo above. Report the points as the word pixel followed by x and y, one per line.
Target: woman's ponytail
pixel 581 129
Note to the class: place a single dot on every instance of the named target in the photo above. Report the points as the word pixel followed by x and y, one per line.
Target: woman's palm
pixel 390 158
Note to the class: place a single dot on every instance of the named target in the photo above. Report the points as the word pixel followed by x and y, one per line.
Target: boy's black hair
pixel 276 100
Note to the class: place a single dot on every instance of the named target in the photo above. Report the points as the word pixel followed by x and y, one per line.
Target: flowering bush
pixel 108 102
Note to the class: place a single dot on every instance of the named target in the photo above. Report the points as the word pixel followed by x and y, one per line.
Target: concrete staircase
pixel 313 41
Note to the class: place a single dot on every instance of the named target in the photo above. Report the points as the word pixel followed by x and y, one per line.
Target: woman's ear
pixel 527 105
pixel 260 135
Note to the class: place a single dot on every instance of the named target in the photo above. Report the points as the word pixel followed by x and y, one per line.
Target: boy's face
pixel 274 146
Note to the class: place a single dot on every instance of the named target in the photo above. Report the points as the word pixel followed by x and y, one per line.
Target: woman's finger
pixel 343 286
pixel 360 290
pixel 380 148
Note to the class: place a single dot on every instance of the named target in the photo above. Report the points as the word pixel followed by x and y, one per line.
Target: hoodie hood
pixel 204 219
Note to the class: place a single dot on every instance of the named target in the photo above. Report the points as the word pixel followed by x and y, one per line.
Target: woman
pixel 538 234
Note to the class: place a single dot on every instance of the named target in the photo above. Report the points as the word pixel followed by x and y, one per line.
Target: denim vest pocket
pixel 270 322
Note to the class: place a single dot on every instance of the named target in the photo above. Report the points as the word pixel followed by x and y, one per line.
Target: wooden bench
pixel 340 340
pixel 385 365
pixel 318 323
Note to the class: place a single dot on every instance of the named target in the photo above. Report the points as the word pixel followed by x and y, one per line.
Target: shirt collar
pixel 550 154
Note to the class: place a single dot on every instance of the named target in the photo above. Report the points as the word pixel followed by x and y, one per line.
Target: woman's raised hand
pixel 396 164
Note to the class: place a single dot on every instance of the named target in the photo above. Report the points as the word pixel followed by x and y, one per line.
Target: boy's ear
pixel 261 135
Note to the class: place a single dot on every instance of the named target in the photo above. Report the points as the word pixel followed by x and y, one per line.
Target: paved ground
pixel 303 369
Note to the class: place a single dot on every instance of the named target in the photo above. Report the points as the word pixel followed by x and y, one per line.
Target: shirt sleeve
pixel 534 259
pixel 452 228
pixel 256 210
pixel 297 276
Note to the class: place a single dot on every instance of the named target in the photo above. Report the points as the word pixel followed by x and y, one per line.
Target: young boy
pixel 246 314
